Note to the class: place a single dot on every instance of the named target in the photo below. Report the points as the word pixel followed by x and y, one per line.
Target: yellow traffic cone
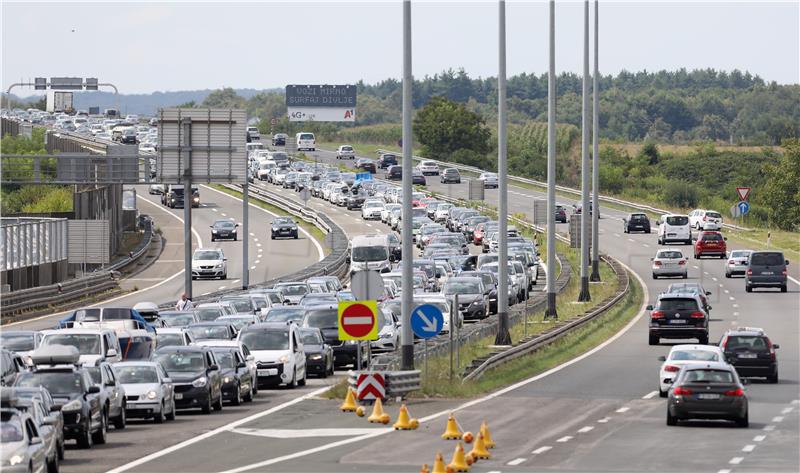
pixel 459 462
pixel 403 420
pixel 424 468
pixel 452 432
pixel 377 412
pixel 438 464
pixel 349 404
pixel 479 449
pixel 487 437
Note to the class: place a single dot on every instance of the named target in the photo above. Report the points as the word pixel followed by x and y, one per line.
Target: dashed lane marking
pixel 252 234
pixel 565 438
pixel 736 460
pixel 604 420
pixel 213 210
pixel 205 293
pixel 726 291
pixel 616 235
pixel 631 240
pixel 759 438
pixel 724 471
pixel 585 429
pixel 787 410
pixel 650 395
pixel 224 214
pixel 777 419
pixel 748 448
pixel 222 287
pixel 623 409
pixel 713 279
pixel 645 245
pixel 769 428
pixel 516 461
pixel 252 267
pixel 541 450
pixel 695 267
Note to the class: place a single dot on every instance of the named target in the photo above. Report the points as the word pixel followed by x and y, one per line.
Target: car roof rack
pixel 749 329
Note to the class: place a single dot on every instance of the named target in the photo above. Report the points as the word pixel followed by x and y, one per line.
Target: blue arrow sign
pixel 427 321
pixel 744 207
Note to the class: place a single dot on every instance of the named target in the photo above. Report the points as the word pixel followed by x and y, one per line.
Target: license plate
pixel 677 321
pixel 268 372
pixel 748 355
pixel 707 396
pixel 178 396
pixel 768 273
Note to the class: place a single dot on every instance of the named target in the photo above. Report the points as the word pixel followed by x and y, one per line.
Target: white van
pixel 305 140
pixel 673 227
pixel 370 252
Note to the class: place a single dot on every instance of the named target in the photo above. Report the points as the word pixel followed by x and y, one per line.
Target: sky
pixel 143 47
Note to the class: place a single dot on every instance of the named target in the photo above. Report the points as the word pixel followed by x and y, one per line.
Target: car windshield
pixel 207 255
pixel 678 220
pixel 462 287
pixel 227 224
pixel 694 355
pixel 369 253
pixel 708 376
pixel 17 341
pixel 210 332
pixel 294 290
pixel 169 339
pixel 208 314
pixel 240 321
pixel 10 431
pixel 241 305
pixel 285 314
pixel 311 337
pixel 713 214
pixel 326 318
pixel 306 136
pixel 712 237
pixel 87 344
pixel 347 148
pixel 677 304
pixel 740 254
pixel 57 382
pixel 670 255
pixel 136 374
pixel 225 358
pixel 746 342
pixel 766 259
pixel 266 339
pixel 178 320
pixel 94 372
pixel 638 218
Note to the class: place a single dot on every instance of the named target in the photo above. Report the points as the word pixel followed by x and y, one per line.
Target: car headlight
pixel 226 379
pixel 16 460
pixel 219 265
pixel 283 359
pixel 213 231
pixel 316 356
pixel 386 335
pixel 294 227
pixel 151 394
pixel 200 382
pixel 74 405
pixel 351 342
pixel 477 302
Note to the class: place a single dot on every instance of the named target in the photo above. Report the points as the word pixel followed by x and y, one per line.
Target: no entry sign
pixel 358 320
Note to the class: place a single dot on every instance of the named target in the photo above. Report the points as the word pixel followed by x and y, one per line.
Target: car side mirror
pixel 49 420
pixel 649 307
pixel 250 358
pixel 662 358
pixel 708 293
pixel 55 408
pixel 93 389
pixel 213 368
pixel 775 346
pixel 237 224
pixel 725 238
pixel 111 352
pixel 652 259
pixel 786 262
pixel 166 381
pixel 35 441
pixel 241 364
pixel 224 259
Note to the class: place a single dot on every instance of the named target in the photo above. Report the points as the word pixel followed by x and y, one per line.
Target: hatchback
pixel 751 352
pixel 710 244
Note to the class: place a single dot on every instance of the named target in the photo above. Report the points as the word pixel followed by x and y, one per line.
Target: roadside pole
pixel 551 172
pixel 585 209
pixel 407 300
pixel 452 328
pixel 503 336
pixel 595 277
pixel 246 235
pixel 188 196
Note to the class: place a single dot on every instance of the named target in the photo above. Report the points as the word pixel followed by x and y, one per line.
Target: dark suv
pixel 766 269
pixel 395 173
pixel 751 352
pixel 678 316
pixel 195 375
pixel 387 160
pixel 636 222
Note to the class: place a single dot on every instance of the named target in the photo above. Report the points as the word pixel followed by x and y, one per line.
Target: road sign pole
pixel 425 356
pixel 407 302
pixel 585 209
pixel 452 326
pixel 551 171
pixel 503 336
pixel 188 196
pixel 596 154
pixel 358 357
pixel 245 235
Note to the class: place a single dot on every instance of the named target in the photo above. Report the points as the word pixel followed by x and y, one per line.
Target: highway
pixel 600 412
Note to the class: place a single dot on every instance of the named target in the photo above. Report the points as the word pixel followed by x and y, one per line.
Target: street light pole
pixel 503 336
pixel 407 297
pixel 551 170
pixel 585 212
pixel 596 153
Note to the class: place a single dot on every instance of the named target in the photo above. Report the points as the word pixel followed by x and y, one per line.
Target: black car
pixel 636 222
pixel 471 296
pixel 707 391
pixel 387 160
pixel 195 376
pixel 284 227
pixel 766 269
pixel 319 355
pixel 490 283
pixel 395 173
pixel 326 319
pixel 237 379
pixel 279 140
pixel 751 352
pixel 367 165
pixel 224 230
pixel 129 137
pixel 678 316
pixel 561 214
pixel 417 177
pixel 450 176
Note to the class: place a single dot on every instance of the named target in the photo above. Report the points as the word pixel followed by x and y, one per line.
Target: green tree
pixel 224 98
pixel 782 188
pixel 443 127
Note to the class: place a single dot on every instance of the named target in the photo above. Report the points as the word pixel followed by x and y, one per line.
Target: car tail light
pixel 723 343
pixel 771 350
pixel 682 262
pixel 784 272
pixel 657 314
pixel 749 272
pixel 679 391
pixel 705 218
pixel 671 368
pixel 738 392
pixel 698 315
pixel 657 263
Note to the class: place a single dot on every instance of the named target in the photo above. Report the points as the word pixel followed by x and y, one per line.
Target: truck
pixel 59 101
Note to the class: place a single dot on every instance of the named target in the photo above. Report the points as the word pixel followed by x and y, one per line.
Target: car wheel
pixel 748 288
pixel 160 417
pixel 237 400
pixel 224 276
pixel 85 440
pixel 302 382
pixel 685 275
pixel 101 435
pixel 236 238
pixel 121 421
pixel 250 393
pixel 295 236
pixel 703 339
pixel 783 288
pixel 671 419
pixel 218 405
pixel 53 466
pixel 743 421
pixel 293 384
pixel 653 339
pixel 194 277
pixel 61 450
pixel 773 379
pixel 272 237
pixel 171 415
pixel 655 276
pixel 213 239
pixel 727 275
pixel 207 407
pixel 662 393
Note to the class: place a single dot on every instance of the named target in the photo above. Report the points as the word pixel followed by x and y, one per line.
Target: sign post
pixel 358 321
pixel 426 322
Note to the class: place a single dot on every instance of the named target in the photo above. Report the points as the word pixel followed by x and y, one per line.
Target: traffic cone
pixel 438 464
pixel 424 468
pixel 452 432
pixel 459 462
pixel 403 421
pixel 349 404
pixel 377 412
pixel 479 449
pixel 487 437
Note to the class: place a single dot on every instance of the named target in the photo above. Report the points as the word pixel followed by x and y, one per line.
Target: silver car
pixel 23 450
pixel 737 262
pixel 489 179
pixel 669 262
pixel 149 390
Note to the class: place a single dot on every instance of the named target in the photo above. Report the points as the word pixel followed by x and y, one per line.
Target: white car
pixel 209 263
pixel 428 168
pixel 372 209
pixel 669 262
pixel 441 212
pixel 705 219
pixel 489 180
pixel 387 211
pixel 277 348
pixel 673 227
pixel 681 355
pixel 388 334
pixel 345 152
pixel 93 344
pixel 737 262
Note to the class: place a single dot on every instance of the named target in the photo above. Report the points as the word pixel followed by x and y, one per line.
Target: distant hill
pixel 144 104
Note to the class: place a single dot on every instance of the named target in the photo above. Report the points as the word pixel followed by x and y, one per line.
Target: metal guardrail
pixel 397 383
pixel 560 330
pixel 569 190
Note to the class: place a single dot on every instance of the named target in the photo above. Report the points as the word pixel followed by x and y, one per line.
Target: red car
pixel 710 244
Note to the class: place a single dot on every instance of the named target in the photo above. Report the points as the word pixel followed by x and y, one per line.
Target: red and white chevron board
pixel 370 386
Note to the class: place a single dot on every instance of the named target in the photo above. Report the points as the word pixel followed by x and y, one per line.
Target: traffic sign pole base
pixel 503 336
pixel 551 312
pixel 584 295
pixel 595 277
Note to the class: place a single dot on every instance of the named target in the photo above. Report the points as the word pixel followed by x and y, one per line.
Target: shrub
pixel 680 194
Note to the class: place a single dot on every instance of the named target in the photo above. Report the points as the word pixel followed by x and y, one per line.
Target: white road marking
pixel 565 438
pixel 736 314
pixel 724 471
pixel 541 450
pixel 769 428
pixel 748 448
pixel 207 293
pixel 777 419
pixel 695 267
pixel 252 234
pixel 650 395
pixel 726 292
pixel 257 261
pixel 222 287
pixel 585 429
pixel 796 401
pixel 604 420
pixel 623 409
pixel 370 226
pixel 713 279
pixel 616 235
pixel 253 267
pixel 256 239
pixel 759 438
pixel 736 460
pixel 705 272
pixel 645 245
pixel 516 461
pixel 223 214
pixel 787 410
pixel 304 433
pixel 631 240
pixel 235 281
pixel 214 210
pixel 735 306
pixel 258 245
pixel 731 298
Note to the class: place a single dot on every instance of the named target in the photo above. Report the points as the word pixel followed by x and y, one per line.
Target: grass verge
pixel 315 232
